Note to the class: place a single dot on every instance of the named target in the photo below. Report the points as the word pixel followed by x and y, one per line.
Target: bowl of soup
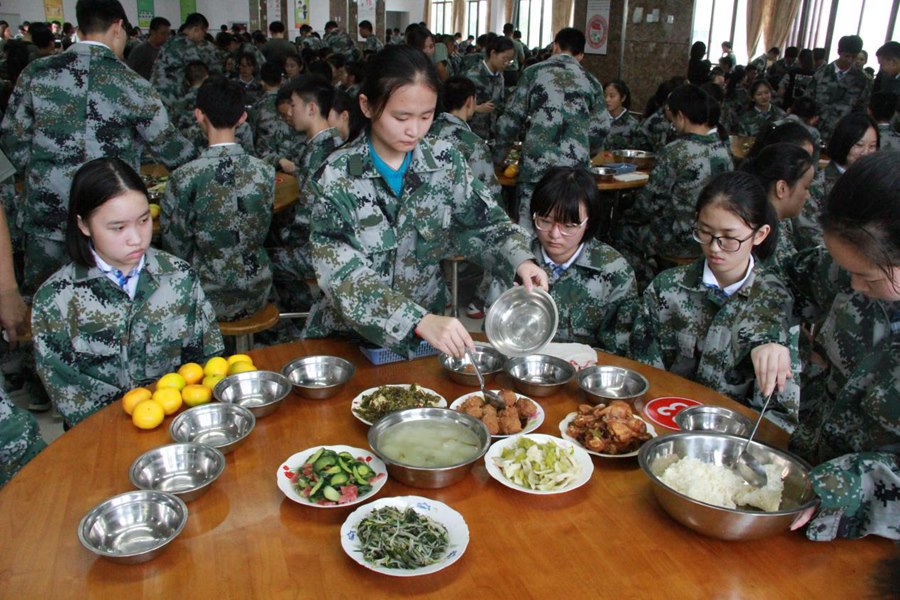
pixel 429 447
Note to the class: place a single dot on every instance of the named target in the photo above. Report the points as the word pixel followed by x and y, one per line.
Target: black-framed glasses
pixel 565 229
pixel 727 244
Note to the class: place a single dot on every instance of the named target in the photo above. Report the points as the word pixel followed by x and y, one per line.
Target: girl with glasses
pixel 723 321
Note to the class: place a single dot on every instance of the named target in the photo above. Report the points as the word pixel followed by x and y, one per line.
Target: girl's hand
pixel 772 364
pixel 287 166
pixel 532 275
pixel 12 315
pixel 486 107
pixel 446 334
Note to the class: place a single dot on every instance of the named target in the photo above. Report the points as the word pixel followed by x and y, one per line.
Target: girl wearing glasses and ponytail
pixel 723 320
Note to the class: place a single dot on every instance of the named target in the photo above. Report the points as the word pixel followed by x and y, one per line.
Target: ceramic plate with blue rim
pixel 457 532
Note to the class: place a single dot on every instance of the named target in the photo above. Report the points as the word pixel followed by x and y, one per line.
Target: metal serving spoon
pixel 491 397
pixel 747 465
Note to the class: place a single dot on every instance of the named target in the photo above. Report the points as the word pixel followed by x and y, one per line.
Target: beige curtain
pixel 756 11
pixel 507 18
pixel 779 16
pixel 426 15
pixel 562 16
pixel 459 15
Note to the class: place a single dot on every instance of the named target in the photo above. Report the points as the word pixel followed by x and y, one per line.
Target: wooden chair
pixel 454 284
pixel 243 329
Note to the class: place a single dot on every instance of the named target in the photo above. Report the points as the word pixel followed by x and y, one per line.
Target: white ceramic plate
pixel 532 423
pixel 579 454
pixel 564 424
pixel 296 461
pixel 357 402
pixel 457 532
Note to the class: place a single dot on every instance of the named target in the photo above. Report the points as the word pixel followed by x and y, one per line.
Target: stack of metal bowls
pixel 318 377
pixel 539 374
pixel 602 384
pixel 462 371
pixel 186 470
pixel 220 425
pixel 259 391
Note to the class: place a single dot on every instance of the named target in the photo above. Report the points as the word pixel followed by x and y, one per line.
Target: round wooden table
pixel 244 539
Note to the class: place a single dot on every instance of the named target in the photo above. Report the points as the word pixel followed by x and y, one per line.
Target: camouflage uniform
pixel 20 438
pixel 561 109
pixel 657 130
pixel 469 61
pixel 753 121
pixel 806 228
pixel 67 109
pixel 247 48
pixel 472 147
pixel 377 256
pixel 597 298
pixel 696 332
pixel 93 343
pixel 312 42
pixel 489 88
pixel 888 138
pixel 273 137
pixel 849 418
pixel 373 44
pixel 340 42
pixel 215 214
pixel 169 68
pixel 625 133
pixel 785 250
pixel 733 108
pixel 838 97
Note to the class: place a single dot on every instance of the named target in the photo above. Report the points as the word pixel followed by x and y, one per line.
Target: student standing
pixel 487 76
pixel 841 87
pixel 188 46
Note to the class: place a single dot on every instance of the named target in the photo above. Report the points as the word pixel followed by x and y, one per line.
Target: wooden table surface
pixel 603 186
pixel 244 539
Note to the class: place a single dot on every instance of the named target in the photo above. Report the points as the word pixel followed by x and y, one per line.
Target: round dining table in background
pixel 245 539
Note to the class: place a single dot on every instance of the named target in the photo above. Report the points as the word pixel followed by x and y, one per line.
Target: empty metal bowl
pixel 605 383
pixel 641 159
pixel 521 322
pixel 259 391
pixel 603 173
pixel 429 477
pixel 539 375
pixel 134 527
pixel 717 448
pixel 221 425
pixel 186 470
pixel 318 377
pixel 461 370
pixel 714 419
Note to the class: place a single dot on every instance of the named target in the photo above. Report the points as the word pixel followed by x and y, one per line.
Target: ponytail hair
pixel 778 162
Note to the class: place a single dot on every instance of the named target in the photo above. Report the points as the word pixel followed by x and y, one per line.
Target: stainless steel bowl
pixel 429 477
pixel 603 173
pixel 259 391
pixel 186 470
pixel 318 377
pixel 714 419
pixel 521 322
pixel 725 523
pixel 642 159
pixel 489 361
pixel 539 374
pixel 605 383
pixel 134 527
pixel 221 425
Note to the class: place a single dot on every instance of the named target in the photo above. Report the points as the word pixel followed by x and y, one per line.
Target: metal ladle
pixel 747 465
pixel 491 397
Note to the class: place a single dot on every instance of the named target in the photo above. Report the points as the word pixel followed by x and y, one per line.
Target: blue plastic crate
pixel 383 356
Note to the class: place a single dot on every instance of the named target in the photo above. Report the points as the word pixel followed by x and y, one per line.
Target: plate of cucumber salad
pixel 331 476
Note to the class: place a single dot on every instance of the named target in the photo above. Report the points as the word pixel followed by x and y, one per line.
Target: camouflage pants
pixel 20 438
pixel 43 258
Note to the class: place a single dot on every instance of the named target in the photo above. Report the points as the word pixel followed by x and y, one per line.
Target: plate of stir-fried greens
pixel 374 403
pixel 405 536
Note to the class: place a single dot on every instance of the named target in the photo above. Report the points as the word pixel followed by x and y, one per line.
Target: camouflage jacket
pixel 888 138
pixel 215 214
pixel 312 42
pixel 373 44
pixel 664 209
pixel 733 108
pixel 169 68
pixel 72 107
pixel 489 88
pixel 562 111
pixel 93 343
pixel 377 256
pixel 472 147
pixel 625 133
pixel 273 137
pixel 657 130
pixel 850 417
pixel 753 121
pixel 20 438
pixel 597 298
pixel 695 332
pixel 785 250
pixel 806 228
pixel 470 60
pixel 340 42
pixel 838 97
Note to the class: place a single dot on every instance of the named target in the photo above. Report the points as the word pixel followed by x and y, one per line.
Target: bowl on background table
pixel 642 159
pixel 605 383
pixel 601 173
pixel 318 377
pixel 539 374
pixel 221 425
pixel 259 391
pixel 185 470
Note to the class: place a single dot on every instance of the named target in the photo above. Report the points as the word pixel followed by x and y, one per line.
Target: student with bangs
pixel 625 129
pixel 487 76
pixel 760 112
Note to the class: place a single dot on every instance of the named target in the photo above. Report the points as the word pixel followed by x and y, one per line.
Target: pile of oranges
pixel 191 385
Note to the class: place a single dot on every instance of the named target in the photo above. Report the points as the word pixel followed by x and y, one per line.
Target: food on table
pixel 401 539
pixel 388 398
pixel 167 397
pixel 429 443
pixel 469 369
pixel 507 421
pixel 210 381
pixel 608 429
pixel 154 210
pixel 171 380
pixel 134 397
pixel 192 372
pixel 216 366
pixel 538 466
pixel 722 486
pixel 328 477
pixel 196 394
pixel 240 366
pixel 148 415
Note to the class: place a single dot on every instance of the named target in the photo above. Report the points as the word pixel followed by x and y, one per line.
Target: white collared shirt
pixel 709 279
pixel 565 266
pixel 130 286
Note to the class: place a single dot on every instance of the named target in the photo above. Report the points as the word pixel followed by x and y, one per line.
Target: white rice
pixel 721 486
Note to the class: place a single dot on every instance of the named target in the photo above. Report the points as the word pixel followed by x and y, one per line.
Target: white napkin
pixel 579 355
pixel 632 177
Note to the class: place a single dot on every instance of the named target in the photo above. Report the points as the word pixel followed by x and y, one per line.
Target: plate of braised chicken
pixel 521 415
pixel 612 430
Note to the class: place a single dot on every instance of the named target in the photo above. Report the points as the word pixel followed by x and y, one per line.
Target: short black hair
pixel 743 195
pixel 883 105
pixel 570 40
pixel 315 89
pixel 789 132
pixel 249 57
pixel 693 103
pixel 366 24
pixel 889 50
pixel 560 192
pixel 344 103
pixel 270 72
pixel 221 100
pixel 158 23
pixel 621 87
pixel 196 20
pixel 276 27
pixel 805 107
pixel 850 43
pixel 849 130
pixel 41 35
pixel 321 68
pixel 455 91
pixel 819 54
pixel 507 28
pixel 498 44
pixel 97 16
pixel 791 52
pixel 195 71
pixel 331 24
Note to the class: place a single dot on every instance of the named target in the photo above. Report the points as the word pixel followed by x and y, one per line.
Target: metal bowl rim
pixel 226 382
pixel 444 359
pixel 514 360
pixel 733 414
pixel 490 322
pixel 215 407
pixel 584 373
pixel 217 454
pixel 292 365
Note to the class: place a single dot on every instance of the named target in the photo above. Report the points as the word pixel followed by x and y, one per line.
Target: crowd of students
pixel 773 278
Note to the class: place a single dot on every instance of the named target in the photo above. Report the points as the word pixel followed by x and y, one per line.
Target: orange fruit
pixel 210 381
pixel 239 358
pixel 194 395
pixel 241 366
pixel 192 372
pixel 511 171
pixel 216 366
pixel 171 380
pixel 154 211
pixel 148 415
pixel 168 398
pixel 133 397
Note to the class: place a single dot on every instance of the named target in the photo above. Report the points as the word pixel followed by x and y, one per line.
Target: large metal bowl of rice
pixel 693 478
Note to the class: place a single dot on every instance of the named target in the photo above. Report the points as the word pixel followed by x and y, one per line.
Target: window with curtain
pixel 477 17
pixel 534 19
pixel 441 20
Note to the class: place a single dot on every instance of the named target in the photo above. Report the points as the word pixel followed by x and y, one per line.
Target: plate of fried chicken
pixel 521 415
pixel 611 430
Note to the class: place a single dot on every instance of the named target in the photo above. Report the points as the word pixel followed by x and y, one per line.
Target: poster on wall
pixel 301 13
pixel 145 13
pixel 53 10
pixel 365 11
pixel 596 29
pixel 187 7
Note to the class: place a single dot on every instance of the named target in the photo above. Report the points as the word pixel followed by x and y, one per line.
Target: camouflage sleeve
pixel 645 331
pixel 244 137
pixel 483 168
pixel 20 438
pixel 177 216
pixel 621 309
pixel 161 136
pixel 17 128
pixel 600 120
pixel 205 339
pixel 652 198
pixel 813 279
